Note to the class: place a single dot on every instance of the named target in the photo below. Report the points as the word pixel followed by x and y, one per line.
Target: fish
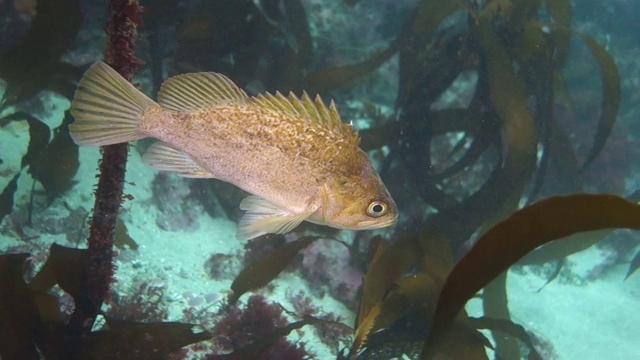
pixel 293 155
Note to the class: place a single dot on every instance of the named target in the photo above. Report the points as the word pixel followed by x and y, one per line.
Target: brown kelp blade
pixel 39 134
pixel 561 12
pixel 635 264
pixel 431 13
pixel 329 79
pixel 6 197
pixel 132 340
pixel 67 268
pixel 265 269
pixel 465 342
pixel 387 265
pixel 29 66
pixel 18 310
pixel 388 295
pixel 504 244
pixel 122 239
pixel 611 90
pixel 610 96
pixel 507 327
pixel 58 163
pixel 300 30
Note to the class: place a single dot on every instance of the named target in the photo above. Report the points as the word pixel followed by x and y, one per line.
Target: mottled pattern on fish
pixel 261 149
pixel 293 154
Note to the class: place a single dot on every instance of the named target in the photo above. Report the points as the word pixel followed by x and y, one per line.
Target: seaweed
pixel 266 44
pixel 122 30
pixel 260 272
pixel 633 266
pixel 518 55
pixel 122 239
pixel 34 64
pixel 84 274
pixel 6 198
pixel 52 163
pixel 434 290
pixel 37 325
pixel 416 282
pixel 548 220
pixel 56 164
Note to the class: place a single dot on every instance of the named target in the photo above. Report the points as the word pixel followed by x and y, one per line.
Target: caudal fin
pixel 107 108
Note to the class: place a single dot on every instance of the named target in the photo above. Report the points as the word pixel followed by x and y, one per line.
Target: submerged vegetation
pixel 472 159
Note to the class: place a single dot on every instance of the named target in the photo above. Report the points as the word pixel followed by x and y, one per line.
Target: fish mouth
pixel 377 224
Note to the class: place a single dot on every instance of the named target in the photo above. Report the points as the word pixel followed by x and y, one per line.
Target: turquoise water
pixel 468 113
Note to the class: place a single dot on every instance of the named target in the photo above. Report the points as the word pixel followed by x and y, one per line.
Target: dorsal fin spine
pixel 314 111
pixel 333 112
pixel 324 114
pixel 298 105
pixel 310 106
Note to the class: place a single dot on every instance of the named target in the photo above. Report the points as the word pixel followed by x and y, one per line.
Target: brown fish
pixel 294 155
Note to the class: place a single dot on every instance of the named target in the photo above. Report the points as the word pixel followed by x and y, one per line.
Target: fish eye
pixel 376 209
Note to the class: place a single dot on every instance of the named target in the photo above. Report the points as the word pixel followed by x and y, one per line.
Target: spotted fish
pixel 294 155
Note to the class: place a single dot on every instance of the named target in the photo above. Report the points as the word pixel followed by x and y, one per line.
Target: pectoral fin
pixel 163 156
pixel 263 217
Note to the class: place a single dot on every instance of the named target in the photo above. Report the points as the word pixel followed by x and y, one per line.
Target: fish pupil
pixel 376 209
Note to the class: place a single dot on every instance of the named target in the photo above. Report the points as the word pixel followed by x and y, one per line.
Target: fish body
pixel 294 155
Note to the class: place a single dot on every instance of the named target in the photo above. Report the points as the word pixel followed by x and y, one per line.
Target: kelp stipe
pixel 36 323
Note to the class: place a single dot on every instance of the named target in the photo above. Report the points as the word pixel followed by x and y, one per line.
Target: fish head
pixel 358 201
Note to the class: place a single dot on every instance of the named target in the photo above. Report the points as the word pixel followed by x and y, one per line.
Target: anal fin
pixel 163 156
pixel 263 217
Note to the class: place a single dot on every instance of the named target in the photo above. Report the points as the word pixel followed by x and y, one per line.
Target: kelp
pixel 32 65
pixel 410 298
pixel 57 164
pixel 389 293
pixel 545 221
pixel 52 163
pixel 133 340
pixel 557 251
pixel 387 264
pixel 39 134
pixel 122 239
pixel 18 309
pixel 518 56
pixel 266 268
pixel 326 80
pixel 266 43
pixel 610 96
pixel 412 282
pixel 633 266
pixel 257 349
pixel 506 327
pixel 33 323
pixel 6 197
pixel 435 291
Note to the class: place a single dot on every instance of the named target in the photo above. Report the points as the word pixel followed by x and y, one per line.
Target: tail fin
pixel 107 108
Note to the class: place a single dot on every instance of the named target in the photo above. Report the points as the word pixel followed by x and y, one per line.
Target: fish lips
pixel 376 223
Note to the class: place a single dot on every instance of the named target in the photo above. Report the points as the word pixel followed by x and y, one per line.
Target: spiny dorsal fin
pixel 313 111
pixel 189 92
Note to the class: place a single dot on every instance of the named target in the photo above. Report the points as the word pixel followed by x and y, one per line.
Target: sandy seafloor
pixel 599 319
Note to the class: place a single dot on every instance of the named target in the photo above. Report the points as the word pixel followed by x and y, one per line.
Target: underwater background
pixel 476 114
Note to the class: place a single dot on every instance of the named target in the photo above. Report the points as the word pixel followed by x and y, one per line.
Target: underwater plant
pixel 474 161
